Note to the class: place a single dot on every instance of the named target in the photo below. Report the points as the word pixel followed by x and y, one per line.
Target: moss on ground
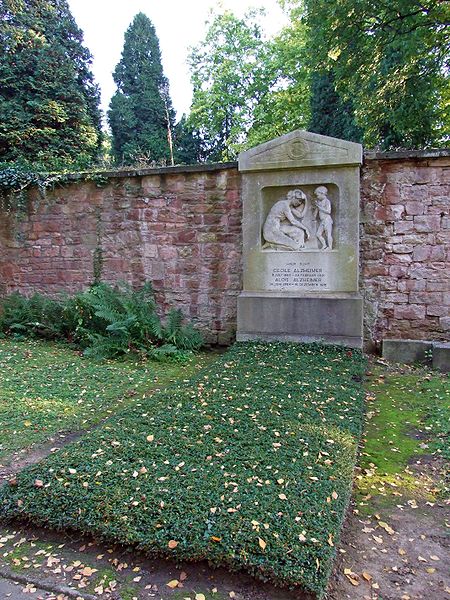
pixel 408 416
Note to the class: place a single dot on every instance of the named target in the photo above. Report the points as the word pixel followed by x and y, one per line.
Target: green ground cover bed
pixel 249 465
pixel 46 388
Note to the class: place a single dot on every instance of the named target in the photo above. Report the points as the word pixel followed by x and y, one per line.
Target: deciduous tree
pixel 390 57
pixel 229 77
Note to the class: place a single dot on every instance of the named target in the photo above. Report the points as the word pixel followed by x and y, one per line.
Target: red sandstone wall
pixel 182 231
pixel 405 247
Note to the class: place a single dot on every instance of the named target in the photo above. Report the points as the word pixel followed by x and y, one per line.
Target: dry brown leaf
pixel 200 597
pixel 386 527
pixel 353 579
pixel 173 584
pixel 282 496
pixel 87 571
pixel 150 438
pixel 172 544
pixel 378 539
pixel 38 483
pixel 367 576
pixel 262 543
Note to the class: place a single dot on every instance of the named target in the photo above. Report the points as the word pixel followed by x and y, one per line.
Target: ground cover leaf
pixel 264 420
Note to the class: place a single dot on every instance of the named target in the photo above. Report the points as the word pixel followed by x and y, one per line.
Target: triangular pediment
pixel 300 149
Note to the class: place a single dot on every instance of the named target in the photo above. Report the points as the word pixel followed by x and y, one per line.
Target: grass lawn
pixel 249 465
pixel 46 388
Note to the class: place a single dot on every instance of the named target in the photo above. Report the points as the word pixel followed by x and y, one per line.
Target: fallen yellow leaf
pixel 386 527
pixel 87 571
pixel 262 543
pixel 172 544
pixel 173 584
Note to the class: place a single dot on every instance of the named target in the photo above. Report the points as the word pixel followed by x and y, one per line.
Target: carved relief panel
pixel 299 219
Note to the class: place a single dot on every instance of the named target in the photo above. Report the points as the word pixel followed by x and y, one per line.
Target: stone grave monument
pixel 300 240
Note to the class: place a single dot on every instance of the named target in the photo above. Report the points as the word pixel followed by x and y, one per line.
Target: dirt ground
pixel 407 560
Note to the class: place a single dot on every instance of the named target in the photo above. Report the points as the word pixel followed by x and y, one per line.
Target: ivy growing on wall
pixel 17 180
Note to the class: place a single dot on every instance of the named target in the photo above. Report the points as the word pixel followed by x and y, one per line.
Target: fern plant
pixel 105 321
pixel 35 316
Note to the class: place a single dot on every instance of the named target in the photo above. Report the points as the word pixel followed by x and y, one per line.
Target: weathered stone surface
pixel 441 357
pixel 300 234
pixel 335 318
pixel 196 211
pixel 407 351
pixel 417 253
pixel 300 149
pixel 165 226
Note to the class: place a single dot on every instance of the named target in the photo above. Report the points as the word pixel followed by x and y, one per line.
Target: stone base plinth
pixel 334 319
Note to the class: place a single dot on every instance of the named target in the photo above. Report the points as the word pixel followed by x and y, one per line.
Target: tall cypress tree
pixel 48 99
pixel 141 116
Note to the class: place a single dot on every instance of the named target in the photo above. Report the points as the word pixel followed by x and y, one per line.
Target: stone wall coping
pixel 131 172
pixel 407 154
pixel 218 166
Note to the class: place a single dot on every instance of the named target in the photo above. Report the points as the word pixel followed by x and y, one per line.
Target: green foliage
pixel 248 465
pixel 187 143
pixel 16 179
pixel 330 115
pixel 36 316
pixel 140 114
pixel 48 100
pixel 105 321
pixel 284 104
pixel 390 59
pixel 229 77
pixel 409 416
pixel 46 388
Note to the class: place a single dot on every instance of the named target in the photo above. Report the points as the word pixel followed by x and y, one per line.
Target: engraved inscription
pixel 298 277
